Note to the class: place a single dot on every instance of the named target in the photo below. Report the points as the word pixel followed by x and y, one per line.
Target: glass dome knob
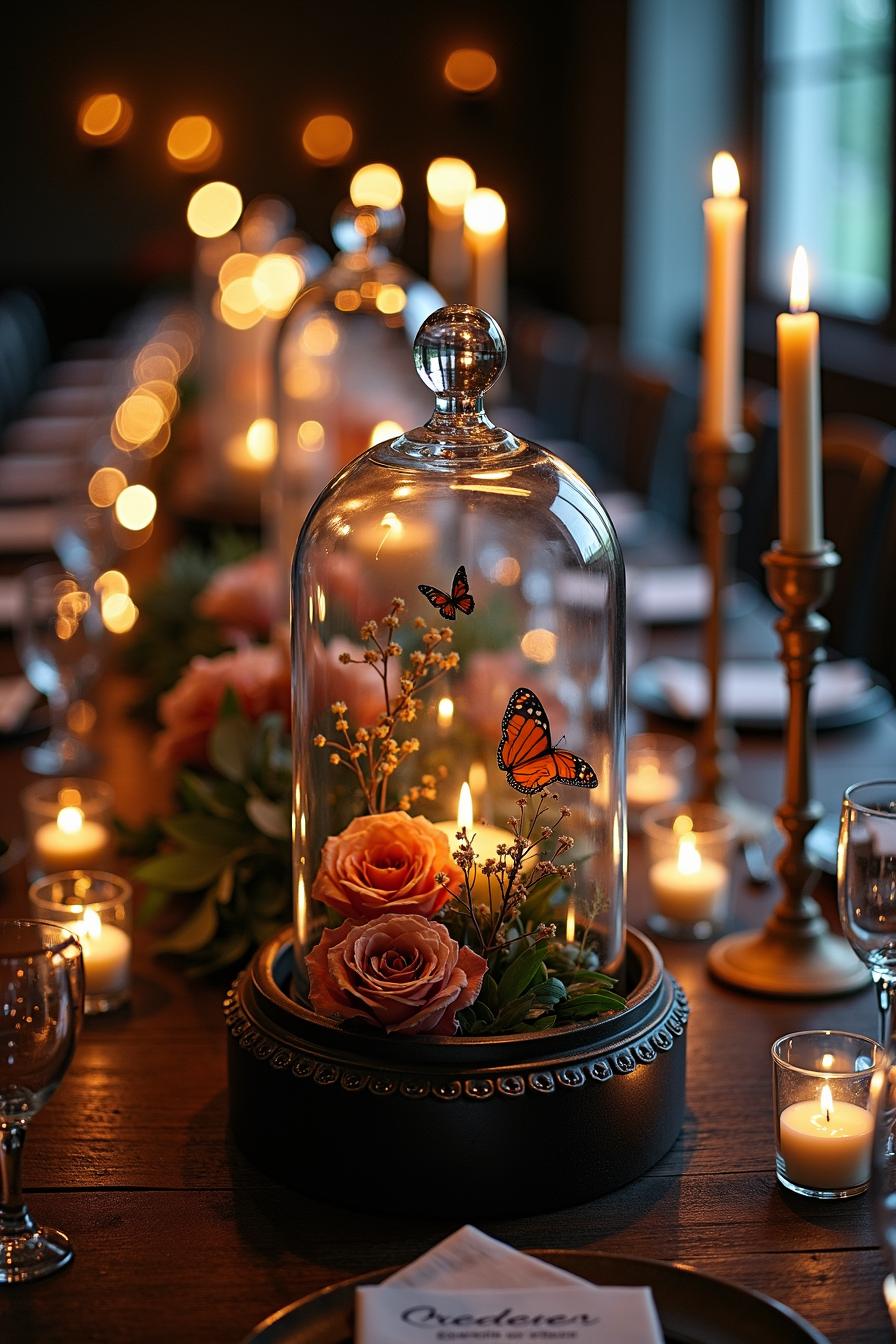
pixel 460 351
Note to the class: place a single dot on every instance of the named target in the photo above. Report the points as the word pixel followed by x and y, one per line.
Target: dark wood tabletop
pixel 178 1238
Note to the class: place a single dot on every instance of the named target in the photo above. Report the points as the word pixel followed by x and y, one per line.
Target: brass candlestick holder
pixel 795 955
pixel 718 466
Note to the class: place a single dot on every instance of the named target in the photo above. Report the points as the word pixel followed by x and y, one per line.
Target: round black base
pixel 497 1126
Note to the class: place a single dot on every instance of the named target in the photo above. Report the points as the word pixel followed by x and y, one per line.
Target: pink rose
pixel 259 677
pixel 357 683
pixel 387 864
pixel 243 596
pixel 400 972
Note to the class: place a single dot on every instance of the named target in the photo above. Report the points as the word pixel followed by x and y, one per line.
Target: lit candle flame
pixel 465 809
pixel 827 1102
pixel 93 925
pixel 445 713
pixel 70 820
pixel 689 860
pixel 725 177
pixel 571 922
pixel 827 1060
pixel 799 282
pixel 394 528
pixel 682 825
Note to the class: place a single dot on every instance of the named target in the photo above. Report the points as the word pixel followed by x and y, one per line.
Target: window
pixel 827 153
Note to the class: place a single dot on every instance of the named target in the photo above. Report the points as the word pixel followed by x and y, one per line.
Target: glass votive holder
pixel 68 823
pixel 824 1126
pixel 659 770
pixel 689 852
pixel 97 908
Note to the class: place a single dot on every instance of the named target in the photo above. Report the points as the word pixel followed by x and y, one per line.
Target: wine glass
pixel 866 886
pixel 56 637
pixel 41 1006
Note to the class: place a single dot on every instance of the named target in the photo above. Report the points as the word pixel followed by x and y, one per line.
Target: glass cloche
pixel 343 373
pixel 458 645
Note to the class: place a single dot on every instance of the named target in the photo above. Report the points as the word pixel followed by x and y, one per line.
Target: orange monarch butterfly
pixel 460 599
pixel 526 753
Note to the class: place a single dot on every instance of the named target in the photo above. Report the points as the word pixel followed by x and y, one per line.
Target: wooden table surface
pixel 178 1238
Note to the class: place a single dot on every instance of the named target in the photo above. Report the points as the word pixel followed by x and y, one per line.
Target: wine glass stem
pixel 15 1220
pixel 885 989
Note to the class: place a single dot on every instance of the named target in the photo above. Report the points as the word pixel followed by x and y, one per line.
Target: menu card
pixel 472 1288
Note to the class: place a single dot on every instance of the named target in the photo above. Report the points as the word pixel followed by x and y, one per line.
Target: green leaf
pixel 222 952
pixel 537 906
pixel 591 978
pixel 197 831
pixel 552 991
pixel 543 1023
pixel 217 796
pixel 589 1005
pixel 521 972
pixel 195 932
pixel 272 819
pixel 511 1014
pixel 488 994
pixel 230 747
pixel 187 870
pixel 153 902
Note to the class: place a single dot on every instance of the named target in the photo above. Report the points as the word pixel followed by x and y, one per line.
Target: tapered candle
pixel 799 439
pixel 725 215
pixel 485 233
pixel 449 183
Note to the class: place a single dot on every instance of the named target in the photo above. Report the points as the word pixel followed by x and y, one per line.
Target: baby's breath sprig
pixel 373 752
pixel 511 881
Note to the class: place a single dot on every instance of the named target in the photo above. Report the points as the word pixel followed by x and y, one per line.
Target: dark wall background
pixel 86 227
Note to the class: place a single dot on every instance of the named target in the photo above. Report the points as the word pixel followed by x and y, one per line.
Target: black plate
pixel 693 1308
pixel 645 691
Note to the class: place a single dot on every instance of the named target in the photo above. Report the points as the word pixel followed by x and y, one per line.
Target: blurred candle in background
pixel 485 233
pixel 799 449
pixel 725 215
pixel 449 183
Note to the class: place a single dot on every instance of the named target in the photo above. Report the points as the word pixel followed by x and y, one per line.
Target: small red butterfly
pixel 526 753
pixel 460 599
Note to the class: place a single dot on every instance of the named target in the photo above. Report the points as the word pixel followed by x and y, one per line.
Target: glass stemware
pixel 41 1004
pixel 866 886
pixel 56 647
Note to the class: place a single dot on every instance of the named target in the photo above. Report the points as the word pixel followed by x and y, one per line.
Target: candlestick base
pixel 802 964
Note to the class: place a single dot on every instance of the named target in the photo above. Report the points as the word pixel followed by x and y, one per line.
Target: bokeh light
pixel 261 441
pixel 276 280
pixel 105 486
pixel 119 613
pixel 111 581
pixel 139 418
pixel 471 70
pixel 391 299
pixel 135 507
pixel 449 183
pixel 214 209
pixel 104 119
pixel 320 336
pixel 539 645
pixel 376 184
pixel 485 212
pixel 384 429
pixel 193 144
pixel 327 139
pixel 311 436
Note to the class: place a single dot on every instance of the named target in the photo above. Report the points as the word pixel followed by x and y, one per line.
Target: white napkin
pixel 756 689
pixel 471 1287
pixel 17 697
pixel 677 593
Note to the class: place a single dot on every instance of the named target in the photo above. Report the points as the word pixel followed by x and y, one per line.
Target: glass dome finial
pixel 460 352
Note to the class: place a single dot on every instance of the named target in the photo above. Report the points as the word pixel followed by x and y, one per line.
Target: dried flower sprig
pixel 510 880
pixel 373 752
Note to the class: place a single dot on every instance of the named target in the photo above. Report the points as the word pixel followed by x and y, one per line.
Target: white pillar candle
pixel 725 215
pixel 799 452
pixel 449 183
pixel 71 841
pixel 484 839
pixel 485 232
pixel 689 888
pixel 826 1145
pixel 649 784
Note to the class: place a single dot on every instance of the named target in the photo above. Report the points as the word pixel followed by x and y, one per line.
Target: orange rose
pixel 258 676
pixel 243 596
pixel 399 972
pixel 386 864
